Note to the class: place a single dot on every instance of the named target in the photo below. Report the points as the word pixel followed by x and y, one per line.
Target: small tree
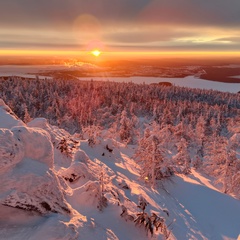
pixel 126 128
pixel 26 117
pixel 150 222
pixel 102 201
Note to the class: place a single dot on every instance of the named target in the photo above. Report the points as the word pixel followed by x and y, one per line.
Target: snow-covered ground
pixel 64 191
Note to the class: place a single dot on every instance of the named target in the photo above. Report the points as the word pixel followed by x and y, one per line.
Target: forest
pixel 174 129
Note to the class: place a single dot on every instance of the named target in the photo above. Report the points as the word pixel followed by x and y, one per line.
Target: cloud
pixel 180 12
pixel 27 13
pixel 127 23
pixel 233 40
pixel 194 12
pixel 142 35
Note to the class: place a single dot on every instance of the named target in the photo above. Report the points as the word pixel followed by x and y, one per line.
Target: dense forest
pixel 175 128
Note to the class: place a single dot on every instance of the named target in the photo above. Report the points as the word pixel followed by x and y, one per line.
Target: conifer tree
pixel 27 117
pixel 182 158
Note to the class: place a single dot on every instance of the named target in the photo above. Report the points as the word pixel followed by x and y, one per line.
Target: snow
pixel 35 176
pixel 56 134
pixel 215 215
pixel 36 144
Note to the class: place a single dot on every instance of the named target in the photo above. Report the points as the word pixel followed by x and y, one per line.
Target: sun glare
pixel 96 53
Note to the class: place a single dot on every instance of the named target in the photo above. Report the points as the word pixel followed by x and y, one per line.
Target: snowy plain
pixel 197 210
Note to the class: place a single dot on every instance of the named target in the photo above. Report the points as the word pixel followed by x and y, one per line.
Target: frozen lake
pixel 190 81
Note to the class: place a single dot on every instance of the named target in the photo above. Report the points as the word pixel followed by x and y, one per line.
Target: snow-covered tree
pixel 150 156
pixel 182 158
pixel 126 128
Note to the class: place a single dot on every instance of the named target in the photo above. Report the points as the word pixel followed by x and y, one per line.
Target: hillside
pixel 61 186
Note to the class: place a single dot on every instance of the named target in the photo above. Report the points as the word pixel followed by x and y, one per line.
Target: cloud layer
pixel 144 24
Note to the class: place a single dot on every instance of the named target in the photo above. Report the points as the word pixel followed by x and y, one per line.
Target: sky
pixel 120 26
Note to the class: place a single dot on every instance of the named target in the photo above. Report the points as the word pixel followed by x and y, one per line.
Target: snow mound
pixel 39 123
pixel 36 144
pixel 27 178
pixel 8 118
pixel 75 171
pixel 64 145
pixel 22 142
pixel 56 133
pixel 80 156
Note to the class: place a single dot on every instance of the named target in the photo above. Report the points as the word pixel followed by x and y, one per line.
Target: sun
pixel 96 52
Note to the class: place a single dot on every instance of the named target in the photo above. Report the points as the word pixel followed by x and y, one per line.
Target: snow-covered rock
pixel 27 178
pixel 64 145
pixel 75 171
pixel 36 144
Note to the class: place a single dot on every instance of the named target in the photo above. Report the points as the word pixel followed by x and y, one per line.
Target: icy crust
pixel 27 178
pixel 8 118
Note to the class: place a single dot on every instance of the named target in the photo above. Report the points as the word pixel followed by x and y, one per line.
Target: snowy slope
pixel 77 191
pixel 203 212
